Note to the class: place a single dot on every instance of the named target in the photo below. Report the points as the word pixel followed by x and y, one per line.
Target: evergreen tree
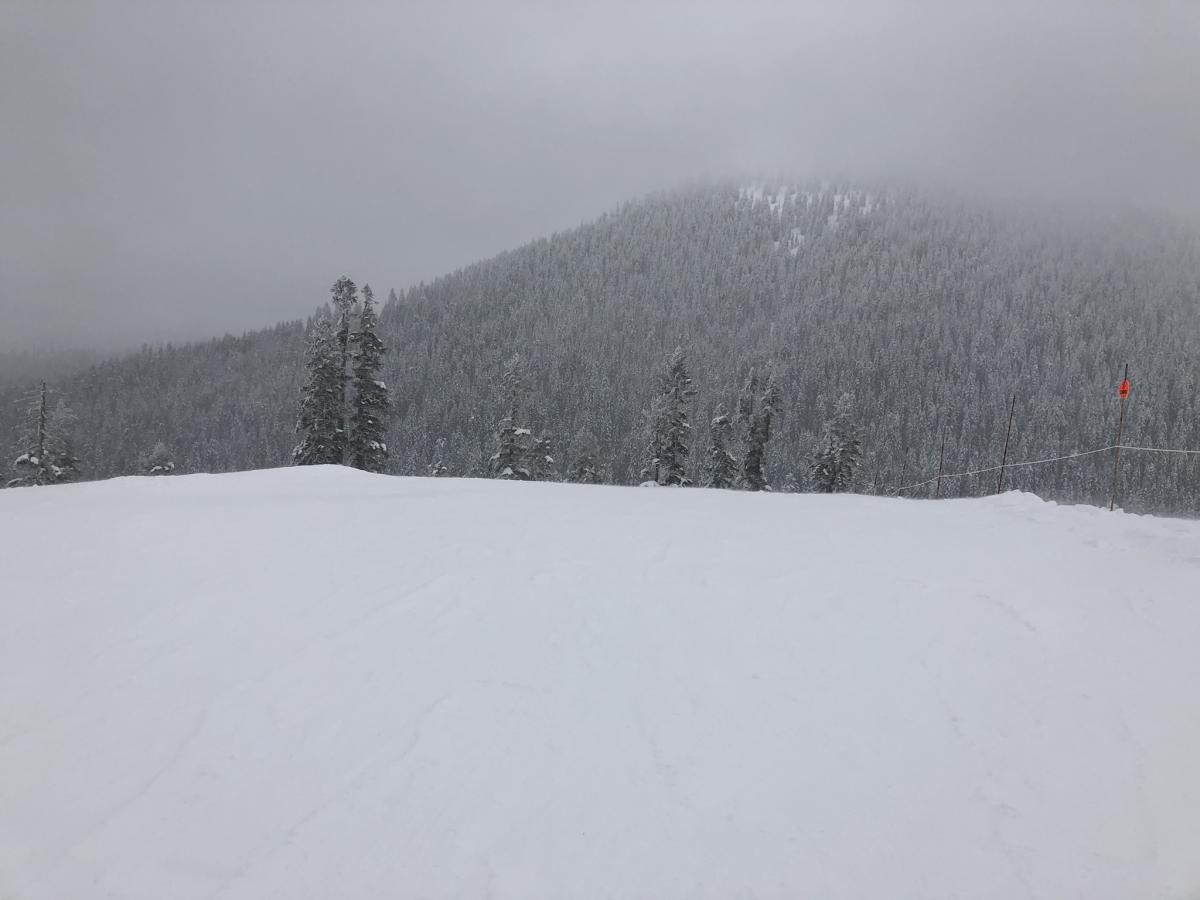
pixel 438 467
pixel 367 440
pixel 540 458
pixel 158 461
pixel 46 453
pixel 513 442
pixel 61 448
pixel 585 466
pixel 747 401
pixel 722 464
pixel 320 423
pixel 655 436
pixel 345 297
pixel 513 384
pixel 837 455
pixel 510 461
pixel 668 425
pixel 747 408
pixel 757 408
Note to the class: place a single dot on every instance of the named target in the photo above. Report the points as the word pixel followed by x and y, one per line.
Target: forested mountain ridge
pixel 933 310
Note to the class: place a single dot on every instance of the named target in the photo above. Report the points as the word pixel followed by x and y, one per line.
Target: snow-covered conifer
pixel 61 448
pixel 668 426
pixel 159 460
pixel 756 410
pixel 540 458
pixel 345 299
pixel 722 464
pixel 368 421
pixel 438 467
pixel 585 465
pixel 510 461
pixel 320 423
pixel 46 451
pixel 837 455
pixel 513 441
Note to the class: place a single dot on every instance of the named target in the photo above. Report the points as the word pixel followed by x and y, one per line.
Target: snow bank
pixel 316 683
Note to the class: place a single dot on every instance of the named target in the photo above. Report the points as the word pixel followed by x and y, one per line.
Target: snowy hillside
pixel 931 308
pixel 324 684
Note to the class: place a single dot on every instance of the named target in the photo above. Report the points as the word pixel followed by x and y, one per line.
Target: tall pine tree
pixel 760 398
pixel 46 453
pixel 722 464
pixel 63 461
pixel 585 467
pixel 345 299
pixel 514 442
pixel 322 412
pixel 510 461
pixel 836 457
pixel 540 458
pixel 368 421
pixel 668 425
pixel 438 467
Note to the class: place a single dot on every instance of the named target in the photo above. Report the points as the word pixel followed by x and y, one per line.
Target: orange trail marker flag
pixel 1123 393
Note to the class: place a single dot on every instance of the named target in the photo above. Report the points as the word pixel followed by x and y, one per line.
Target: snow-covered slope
pixel 323 684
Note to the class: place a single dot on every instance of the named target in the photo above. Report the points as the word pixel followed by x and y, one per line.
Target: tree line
pixel 46 445
pixel 932 310
pixel 344 408
pixel 737 447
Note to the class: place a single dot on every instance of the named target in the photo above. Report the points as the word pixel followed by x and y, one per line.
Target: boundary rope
pixel 1038 462
pixel 1160 449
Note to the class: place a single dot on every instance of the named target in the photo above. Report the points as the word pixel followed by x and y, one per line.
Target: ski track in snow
pixel 315 683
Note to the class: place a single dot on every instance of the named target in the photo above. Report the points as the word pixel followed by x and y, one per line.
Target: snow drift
pixel 316 683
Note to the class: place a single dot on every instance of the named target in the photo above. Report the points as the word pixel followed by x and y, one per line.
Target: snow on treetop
pixel 785 197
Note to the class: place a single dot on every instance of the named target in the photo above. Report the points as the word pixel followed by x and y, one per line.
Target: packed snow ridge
pixel 316 683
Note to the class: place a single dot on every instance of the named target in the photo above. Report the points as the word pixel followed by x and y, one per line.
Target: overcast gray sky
pixel 177 170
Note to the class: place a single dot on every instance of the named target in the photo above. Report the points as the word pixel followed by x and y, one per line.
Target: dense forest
pixel 930 311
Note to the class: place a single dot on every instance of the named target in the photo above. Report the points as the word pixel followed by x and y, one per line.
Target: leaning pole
pixel 1123 393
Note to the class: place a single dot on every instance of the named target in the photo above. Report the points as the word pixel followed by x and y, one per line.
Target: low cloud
pixel 174 170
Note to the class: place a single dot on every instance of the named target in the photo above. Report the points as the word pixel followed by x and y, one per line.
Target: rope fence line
pixel 1038 462
pixel 1160 450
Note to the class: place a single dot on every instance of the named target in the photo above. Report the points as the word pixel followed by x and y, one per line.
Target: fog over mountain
pixel 932 311
pixel 174 170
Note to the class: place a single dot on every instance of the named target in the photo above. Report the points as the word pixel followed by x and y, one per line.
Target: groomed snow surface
pixel 316 683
